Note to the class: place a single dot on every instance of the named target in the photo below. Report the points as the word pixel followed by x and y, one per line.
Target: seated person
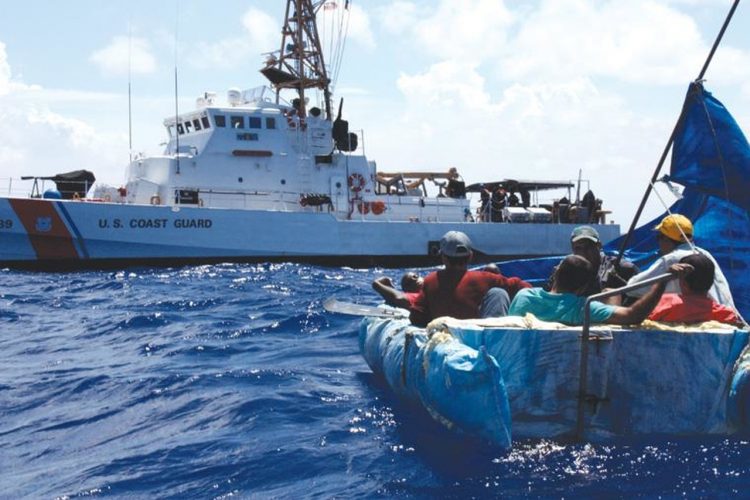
pixel 694 305
pixel 674 235
pixel 565 302
pixel 411 284
pixel 460 293
pixel 584 241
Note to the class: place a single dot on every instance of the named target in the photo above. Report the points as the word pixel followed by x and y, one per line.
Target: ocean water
pixel 230 381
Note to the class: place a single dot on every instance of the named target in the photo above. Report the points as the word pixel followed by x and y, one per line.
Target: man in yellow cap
pixel 675 239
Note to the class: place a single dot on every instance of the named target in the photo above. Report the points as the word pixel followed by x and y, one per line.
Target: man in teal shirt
pixel 565 302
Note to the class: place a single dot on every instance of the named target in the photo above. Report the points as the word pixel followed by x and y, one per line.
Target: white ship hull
pixel 58 234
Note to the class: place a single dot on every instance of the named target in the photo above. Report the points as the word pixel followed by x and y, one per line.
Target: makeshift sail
pixel 710 153
pixel 711 158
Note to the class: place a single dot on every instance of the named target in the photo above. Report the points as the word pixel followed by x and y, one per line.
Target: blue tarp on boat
pixel 485 377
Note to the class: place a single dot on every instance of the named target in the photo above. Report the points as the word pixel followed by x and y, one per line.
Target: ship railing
pixel 416 208
pixel 275 200
pixel 21 188
pixel 583 397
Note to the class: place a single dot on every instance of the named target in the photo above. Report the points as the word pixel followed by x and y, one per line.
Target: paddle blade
pixel 336 306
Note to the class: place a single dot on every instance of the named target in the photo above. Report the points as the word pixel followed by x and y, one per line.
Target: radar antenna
pixel 299 64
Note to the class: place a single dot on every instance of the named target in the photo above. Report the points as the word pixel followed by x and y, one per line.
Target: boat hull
pixel 52 234
pixel 640 382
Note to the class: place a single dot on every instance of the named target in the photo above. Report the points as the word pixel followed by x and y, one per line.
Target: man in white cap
pixel 675 238
pixel 457 292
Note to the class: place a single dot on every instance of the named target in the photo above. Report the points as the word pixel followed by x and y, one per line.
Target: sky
pixel 525 89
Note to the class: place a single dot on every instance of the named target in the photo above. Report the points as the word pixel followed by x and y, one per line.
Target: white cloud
pixel 123 53
pixel 638 41
pixel 359 27
pixel 39 141
pixel 398 17
pixel 468 30
pixel 261 35
pixel 448 82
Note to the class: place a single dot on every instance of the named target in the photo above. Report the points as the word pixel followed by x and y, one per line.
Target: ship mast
pixel 299 64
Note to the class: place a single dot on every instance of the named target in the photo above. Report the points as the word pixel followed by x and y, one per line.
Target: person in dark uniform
pixel 456 187
pixel 498 203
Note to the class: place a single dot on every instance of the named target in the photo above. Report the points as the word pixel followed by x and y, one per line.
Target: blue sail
pixel 710 152
pixel 711 158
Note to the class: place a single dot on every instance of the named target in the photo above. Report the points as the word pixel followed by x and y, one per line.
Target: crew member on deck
pixel 498 203
pixel 456 187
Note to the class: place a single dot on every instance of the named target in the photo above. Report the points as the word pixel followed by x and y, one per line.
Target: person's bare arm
pixel 392 296
pixel 642 307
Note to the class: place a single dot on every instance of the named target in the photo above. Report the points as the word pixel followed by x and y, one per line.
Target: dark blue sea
pixel 230 381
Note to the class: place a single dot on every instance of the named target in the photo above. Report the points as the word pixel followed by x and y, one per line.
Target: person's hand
pixel 385 280
pixel 680 270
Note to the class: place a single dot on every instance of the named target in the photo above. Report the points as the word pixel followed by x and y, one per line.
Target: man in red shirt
pixel 457 292
pixel 411 284
pixel 694 305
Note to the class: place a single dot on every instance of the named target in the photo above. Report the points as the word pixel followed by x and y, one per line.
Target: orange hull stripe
pixel 47 232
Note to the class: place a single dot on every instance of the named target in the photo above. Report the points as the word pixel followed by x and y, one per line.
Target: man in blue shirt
pixel 565 302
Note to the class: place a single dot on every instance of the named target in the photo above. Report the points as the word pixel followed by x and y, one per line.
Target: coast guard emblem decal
pixel 43 224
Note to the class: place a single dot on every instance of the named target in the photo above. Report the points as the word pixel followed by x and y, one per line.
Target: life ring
pixel 356 182
pixel 363 207
pixel 156 200
pixel 377 207
pixel 76 196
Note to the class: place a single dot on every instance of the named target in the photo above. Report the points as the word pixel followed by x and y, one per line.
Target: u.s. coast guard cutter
pixel 262 179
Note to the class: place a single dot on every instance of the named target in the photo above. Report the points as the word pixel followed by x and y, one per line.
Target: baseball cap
pixel 584 233
pixel 672 226
pixel 455 244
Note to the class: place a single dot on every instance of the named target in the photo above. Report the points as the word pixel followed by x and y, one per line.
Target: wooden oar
pixel 336 306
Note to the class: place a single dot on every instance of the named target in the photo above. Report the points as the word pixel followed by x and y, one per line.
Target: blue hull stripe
pixel 74 229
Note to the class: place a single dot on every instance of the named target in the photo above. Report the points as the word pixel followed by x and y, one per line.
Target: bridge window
pixel 237 121
pixel 197 124
pixel 220 120
pixel 205 122
pixel 270 123
pixel 180 129
pixel 188 126
pixel 253 122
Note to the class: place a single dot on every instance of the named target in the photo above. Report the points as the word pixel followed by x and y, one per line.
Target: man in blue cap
pixel 459 293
